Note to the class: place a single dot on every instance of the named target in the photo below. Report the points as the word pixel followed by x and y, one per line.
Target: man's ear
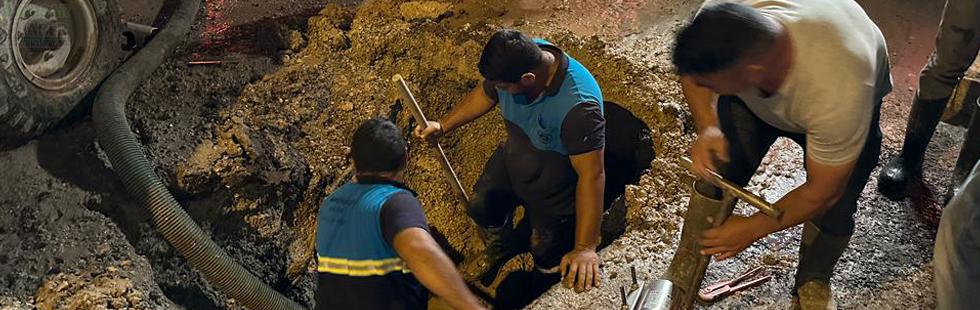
pixel 755 73
pixel 528 79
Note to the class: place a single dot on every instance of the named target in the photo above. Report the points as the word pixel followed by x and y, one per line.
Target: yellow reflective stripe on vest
pixel 360 268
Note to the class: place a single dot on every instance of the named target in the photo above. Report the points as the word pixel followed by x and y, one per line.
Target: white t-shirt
pixel 839 73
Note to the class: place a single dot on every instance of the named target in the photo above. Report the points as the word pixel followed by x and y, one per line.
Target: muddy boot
pixel 502 244
pixel 900 171
pixel 814 295
pixel 688 266
pixel 819 253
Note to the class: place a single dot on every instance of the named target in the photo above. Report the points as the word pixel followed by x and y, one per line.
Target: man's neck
pixel 394 176
pixel 547 68
pixel 781 54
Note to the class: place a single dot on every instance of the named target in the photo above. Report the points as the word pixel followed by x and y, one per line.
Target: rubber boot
pixel 819 253
pixel 688 266
pixel 502 243
pixel 895 176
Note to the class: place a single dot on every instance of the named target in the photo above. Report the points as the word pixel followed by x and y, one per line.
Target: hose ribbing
pixel 127 159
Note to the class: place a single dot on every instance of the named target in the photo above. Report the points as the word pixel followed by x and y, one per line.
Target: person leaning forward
pixel 551 162
pixel 814 71
pixel 372 240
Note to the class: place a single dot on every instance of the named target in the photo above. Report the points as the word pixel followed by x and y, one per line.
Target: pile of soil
pixel 58 254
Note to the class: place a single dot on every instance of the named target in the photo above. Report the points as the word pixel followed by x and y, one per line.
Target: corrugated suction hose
pixel 128 161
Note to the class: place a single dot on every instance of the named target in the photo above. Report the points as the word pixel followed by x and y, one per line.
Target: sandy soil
pixel 250 148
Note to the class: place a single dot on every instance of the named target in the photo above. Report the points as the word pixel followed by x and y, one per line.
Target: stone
pixel 347 106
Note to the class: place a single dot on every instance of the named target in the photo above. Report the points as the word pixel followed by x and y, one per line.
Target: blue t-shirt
pixel 566 119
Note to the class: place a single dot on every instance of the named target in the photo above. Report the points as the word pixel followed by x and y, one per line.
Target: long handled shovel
pixel 420 118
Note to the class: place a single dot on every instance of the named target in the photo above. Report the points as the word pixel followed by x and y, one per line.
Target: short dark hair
pixel 508 55
pixel 378 146
pixel 719 36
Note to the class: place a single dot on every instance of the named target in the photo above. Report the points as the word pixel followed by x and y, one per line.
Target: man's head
pixel 508 59
pixel 378 147
pixel 722 47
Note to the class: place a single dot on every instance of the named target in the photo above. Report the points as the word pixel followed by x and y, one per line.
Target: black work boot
pixel 900 171
pixel 819 253
pixel 502 243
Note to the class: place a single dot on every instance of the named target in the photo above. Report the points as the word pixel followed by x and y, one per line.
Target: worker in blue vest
pixel 374 250
pixel 551 162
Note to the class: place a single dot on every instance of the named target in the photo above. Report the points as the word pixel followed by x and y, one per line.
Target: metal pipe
pixel 758 202
pixel 420 118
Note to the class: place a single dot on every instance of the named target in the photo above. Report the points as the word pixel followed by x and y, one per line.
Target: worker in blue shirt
pixel 374 250
pixel 551 162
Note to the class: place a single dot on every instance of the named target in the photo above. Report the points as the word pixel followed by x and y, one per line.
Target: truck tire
pixel 52 54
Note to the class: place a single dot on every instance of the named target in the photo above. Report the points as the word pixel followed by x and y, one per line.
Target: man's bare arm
pixel 702 102
pixel 711 143
pixel 581 266
pixel 433 268
pixel 588 196
pixel 824 186
pixel 475 104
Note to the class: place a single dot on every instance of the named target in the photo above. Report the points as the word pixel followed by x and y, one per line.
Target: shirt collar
pixel 371 180
pixel 560 73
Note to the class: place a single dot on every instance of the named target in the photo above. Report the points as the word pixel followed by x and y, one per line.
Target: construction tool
pixel 752 199
pixel 423 122
pixel 719 290
pixel 650 295
pixel 660 293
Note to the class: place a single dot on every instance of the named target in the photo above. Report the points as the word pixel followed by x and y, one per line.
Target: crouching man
pixel 814 71
pixel 373 245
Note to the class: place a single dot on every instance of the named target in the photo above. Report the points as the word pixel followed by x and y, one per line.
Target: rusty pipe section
pixel 754 200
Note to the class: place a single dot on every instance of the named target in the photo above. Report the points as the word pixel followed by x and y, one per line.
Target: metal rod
pixel 633 275
pixel 420 118
pixel 764 206
pixel 622 294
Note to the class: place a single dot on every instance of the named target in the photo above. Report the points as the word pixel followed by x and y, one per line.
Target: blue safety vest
pixel 348 232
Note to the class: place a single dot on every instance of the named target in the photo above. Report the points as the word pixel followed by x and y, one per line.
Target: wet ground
pixel 250 147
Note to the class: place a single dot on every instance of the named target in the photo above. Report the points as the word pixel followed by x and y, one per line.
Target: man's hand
pixel 736 234
pixel 711 142
pixel 431 132
pixel 433 268
pixel 580 268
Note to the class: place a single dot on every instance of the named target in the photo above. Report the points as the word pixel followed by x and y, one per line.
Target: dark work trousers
pixel 749 139
pixel 494 200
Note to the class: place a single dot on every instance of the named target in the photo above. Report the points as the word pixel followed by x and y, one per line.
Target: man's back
pixel 357 265
pixel 839 73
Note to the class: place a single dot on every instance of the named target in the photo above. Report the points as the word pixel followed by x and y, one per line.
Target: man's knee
pixel 836 222
pixel 478 210
pixel 550 244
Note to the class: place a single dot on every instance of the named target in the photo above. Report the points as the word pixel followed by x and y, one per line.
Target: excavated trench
pixel 259 176
pixel 251 163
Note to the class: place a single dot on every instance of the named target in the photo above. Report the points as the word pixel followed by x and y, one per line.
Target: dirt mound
pixel 59 252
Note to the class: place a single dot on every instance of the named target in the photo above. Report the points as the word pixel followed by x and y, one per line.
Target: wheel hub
pixel 54 41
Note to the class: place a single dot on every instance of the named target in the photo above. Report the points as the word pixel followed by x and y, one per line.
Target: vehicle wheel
pixel 52 54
